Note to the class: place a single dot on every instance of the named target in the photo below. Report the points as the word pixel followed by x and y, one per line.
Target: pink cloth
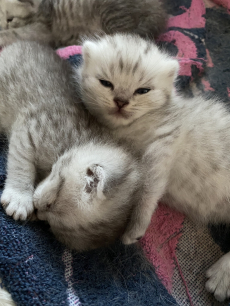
pixel 69 51
pixel 160 241
pixel 192 17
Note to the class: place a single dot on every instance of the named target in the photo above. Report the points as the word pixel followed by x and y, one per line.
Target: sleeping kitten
pixel 62 22
pixel 127 83
pixel 89 182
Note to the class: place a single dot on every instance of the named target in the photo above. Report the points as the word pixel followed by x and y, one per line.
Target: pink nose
pixel 120 102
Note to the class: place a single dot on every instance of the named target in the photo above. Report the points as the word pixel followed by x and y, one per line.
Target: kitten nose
pixel 120 102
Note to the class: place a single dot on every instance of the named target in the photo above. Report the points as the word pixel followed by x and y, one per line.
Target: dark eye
pixel 9 20
pixel 106 84
pixel 141 91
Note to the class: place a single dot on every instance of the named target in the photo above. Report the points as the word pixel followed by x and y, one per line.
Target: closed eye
pixel 10 20
pixel 141 91
pixel 106 84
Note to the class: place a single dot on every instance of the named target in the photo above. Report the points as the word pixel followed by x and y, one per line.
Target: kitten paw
pixel 18 205
pixel 132 236
pixel 44 195
pixel 219 278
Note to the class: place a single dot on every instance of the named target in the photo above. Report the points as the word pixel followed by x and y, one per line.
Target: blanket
pixel 167 267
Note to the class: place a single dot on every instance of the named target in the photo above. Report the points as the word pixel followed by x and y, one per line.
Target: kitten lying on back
pixel 89 182
pixel 127 83
pixel 62 22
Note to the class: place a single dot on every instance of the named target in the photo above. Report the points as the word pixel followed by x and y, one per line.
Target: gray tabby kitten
pixel 89 183
pixel 63 22
pixel 128 84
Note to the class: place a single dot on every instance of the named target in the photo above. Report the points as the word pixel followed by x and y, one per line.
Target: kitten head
pixel 15 13
pixel 124 77
pixel 88 195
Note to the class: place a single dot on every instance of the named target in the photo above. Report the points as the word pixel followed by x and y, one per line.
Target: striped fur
pixel 64 22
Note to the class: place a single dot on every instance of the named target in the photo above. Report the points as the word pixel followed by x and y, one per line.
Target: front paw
pixel 17 204
pixel 43 196
pixel 132 235
pixel 219 278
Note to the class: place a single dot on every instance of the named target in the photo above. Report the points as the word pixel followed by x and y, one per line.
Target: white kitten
pixel 127 83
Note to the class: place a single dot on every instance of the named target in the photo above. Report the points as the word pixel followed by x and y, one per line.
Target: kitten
pixel 128 84
pixel 88 183
pixel 63 22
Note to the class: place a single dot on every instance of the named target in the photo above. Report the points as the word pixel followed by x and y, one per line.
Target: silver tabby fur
pixel 86 182
pixel 64 22
pixel 185 142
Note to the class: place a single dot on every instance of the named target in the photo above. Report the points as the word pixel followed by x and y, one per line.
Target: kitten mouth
pixel 120 113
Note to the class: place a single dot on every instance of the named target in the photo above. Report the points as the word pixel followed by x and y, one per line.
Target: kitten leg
pixel 140 221
pixel 157 161
pixel 17 197
pixel 35 31
pixel 219 278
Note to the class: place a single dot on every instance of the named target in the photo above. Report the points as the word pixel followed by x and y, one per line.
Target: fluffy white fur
pixel 5 298
pixel 128 84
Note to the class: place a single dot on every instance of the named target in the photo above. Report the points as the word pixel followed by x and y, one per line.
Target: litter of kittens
pixel 180 252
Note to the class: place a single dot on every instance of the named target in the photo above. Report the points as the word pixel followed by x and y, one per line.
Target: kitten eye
pixel 106 84
pixel 10 20
pixel 141 91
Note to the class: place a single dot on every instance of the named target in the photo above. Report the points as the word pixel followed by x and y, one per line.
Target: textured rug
pixel 167 267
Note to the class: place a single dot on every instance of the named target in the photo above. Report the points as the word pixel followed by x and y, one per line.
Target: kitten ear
pixel 168 75
pixel 88 49
pixel 95 180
